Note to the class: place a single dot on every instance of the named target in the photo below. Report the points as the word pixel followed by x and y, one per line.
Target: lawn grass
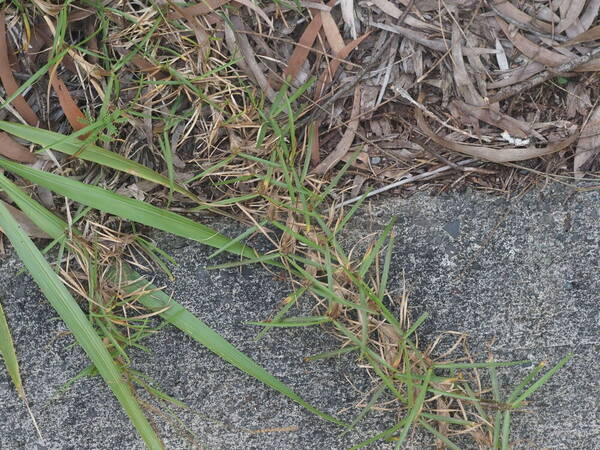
pixel 145 92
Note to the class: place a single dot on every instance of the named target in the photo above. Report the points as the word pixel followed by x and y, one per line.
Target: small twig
pixel 515 89
pixel 402 18
pixel 408 179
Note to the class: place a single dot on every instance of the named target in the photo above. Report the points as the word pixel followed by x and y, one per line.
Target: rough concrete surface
pixel 520 277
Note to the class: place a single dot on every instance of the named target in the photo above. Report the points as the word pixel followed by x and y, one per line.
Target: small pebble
pixel 375 160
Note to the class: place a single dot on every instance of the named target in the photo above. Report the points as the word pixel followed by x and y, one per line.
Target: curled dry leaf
pixel 440 45
pixel 8 80
pixel 238 42
pixel 334 37
pixel 344 145
pixel 585 20
pixel 146 66
pixel 572 14
pixel 588 146
pixel 506 8
pixel 304 45
pixel 15 151
pixel 328 73
pixel 543 55
pixel 199 9
pixel 490 154
pixel 496 118
pixel 392 10
pixel 74 115
pixel 463 81
pixel 252 6
pixel 201 35
pixel 349 17
pixel 590 35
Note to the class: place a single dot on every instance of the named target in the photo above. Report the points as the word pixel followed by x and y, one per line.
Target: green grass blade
pixel 288 302
pixel 439 435
pixel 483 365
pixel 7 350
pixel 498 417
pixel 45 220
pixel 378 392
pixel 128 208
pixel 89 152
pixel 206 336
pixel 539 383
pixel 308 321
pixel 332 354
pixel 68 309
pixel 373 253
pixel 386 266
pixel 525 381
pixel 422 318
pixel 498 420
pixel 506 431
pixel 382 435
pixel 416 409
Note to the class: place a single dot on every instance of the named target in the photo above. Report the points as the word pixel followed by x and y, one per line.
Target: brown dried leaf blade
pixel 15 151
pixel 8 80
pixel 588 146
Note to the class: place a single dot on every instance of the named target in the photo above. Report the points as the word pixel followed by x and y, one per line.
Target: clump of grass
pixel 441 394
pixel 146 91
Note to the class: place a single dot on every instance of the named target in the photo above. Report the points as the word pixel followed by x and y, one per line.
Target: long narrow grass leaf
pixel 382 435
pixel 506 430
pixel 308 321
pixel 415 409
pixel 68 309
pixel 439 435
pixel 206 336
pixel 482 365
pixel 88 152
pixel 8 353
pixel 128 208
pixel 524 382
pixel 543 380
pixel 332 354
pixel 288 302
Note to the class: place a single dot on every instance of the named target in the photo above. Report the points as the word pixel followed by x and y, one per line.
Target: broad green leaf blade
pixel 68 309
pixel 176 314
pixel 128 208
pixel 206 336
pixel 89 152
pixel 7 350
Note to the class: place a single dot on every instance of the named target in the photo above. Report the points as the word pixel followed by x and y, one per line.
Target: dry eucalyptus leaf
pixel 13 150
pixel 25 222
pixel 588 146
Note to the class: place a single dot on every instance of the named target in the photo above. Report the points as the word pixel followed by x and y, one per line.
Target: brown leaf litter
pixel 438 93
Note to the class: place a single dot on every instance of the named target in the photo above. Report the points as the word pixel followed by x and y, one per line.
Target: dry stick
pixel 515 89
pixel 408 179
